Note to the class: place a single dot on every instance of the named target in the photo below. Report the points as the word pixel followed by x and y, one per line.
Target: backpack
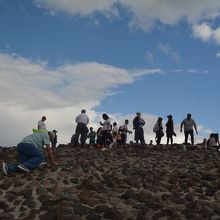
pixel 120 129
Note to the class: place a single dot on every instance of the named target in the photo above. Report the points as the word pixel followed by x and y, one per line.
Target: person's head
pixel 169 116
pixel 83 111
pixel 138 114
pixel 160 119
pixel 114 124
pixel 105 116
pixel 43 118
pixel 55 131
pixel 189 116
pixel 99 129
pixel 91 128
pixel 126 121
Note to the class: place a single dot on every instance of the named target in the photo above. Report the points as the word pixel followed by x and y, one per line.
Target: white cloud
pixel 167 50
pixel 218 55
pixel 216 35
pixel 202 31
pixel 144 14
pixel 30 89
pixel 150 57
pixel 206 33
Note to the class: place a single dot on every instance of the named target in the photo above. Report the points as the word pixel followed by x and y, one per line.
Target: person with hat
pixel 188 124
pixel 138 124
pixel 41 124
pixel 170 129
pixel 53 138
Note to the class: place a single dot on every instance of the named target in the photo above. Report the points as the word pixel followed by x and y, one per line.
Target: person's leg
pixel 192 137
pixel 171 140
pixel 123 138
pixel 141 133
pixel 77 133
pixel 33 156
pixel 136 135
pixel 186 133
pixel 83 132
pixel 158 140
pixel 104 137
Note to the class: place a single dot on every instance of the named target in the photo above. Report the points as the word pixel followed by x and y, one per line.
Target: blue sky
pixel 114 56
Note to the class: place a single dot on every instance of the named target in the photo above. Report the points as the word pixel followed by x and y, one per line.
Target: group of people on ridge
pixel 109 133
pixel 30 149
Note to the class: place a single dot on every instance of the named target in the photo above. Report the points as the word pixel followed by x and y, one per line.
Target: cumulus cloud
pixel 143 14
pixel 30 89
pixel 206 33
pixel 202 31
pixel 218 55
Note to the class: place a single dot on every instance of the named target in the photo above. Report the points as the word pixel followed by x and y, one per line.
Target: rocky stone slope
pixel 126 182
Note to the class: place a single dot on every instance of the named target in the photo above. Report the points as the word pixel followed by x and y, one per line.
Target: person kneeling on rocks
pixel 30 153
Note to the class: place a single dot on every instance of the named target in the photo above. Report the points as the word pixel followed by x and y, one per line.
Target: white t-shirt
pixel 82 118
pixel 41 125
pixel 124 129
pixel 107 124
pixel 115 130
pixel 188 124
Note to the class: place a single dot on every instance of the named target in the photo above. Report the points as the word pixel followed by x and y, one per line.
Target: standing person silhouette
pixel 41 124
pixel 106 129
pixel 188 124
pixel 138 124
pixel 82 121
pixel 158 129
pixel 170 129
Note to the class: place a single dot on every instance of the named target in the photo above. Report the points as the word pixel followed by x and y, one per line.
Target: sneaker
pixel 5 168
pixel 24 168
pixel 42 163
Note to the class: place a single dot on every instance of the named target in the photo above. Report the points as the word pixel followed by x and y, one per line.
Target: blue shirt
pixel 37 139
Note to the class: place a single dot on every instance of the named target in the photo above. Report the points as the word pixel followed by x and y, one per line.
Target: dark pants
pixel 139 135
pixel 106 137
pixel 123 138
pixel 28 155
pixel 187 133
pixel 81 130
pixel 158 137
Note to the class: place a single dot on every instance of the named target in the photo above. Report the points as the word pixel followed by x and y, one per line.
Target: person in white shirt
pixel 124 131
pixel 82 121
pixel 106 129
pixel 41 124
pixel 188 124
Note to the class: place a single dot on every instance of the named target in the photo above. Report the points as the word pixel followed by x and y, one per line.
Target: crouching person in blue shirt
pixel 30 153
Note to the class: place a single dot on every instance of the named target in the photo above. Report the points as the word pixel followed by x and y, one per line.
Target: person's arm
pixel 77 119
pixel 194 124
pixel 50 155
pixel 181 126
